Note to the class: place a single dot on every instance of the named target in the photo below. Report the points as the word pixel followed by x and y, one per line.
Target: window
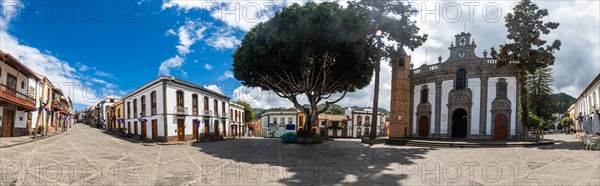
pixel 274 120
pixel 180 98
pixel 367 120
pixel 205 103
pixel 282 120
pixel 502 90
pixel 11 83
pixel 359 120
pixel 119 113
pixel 153 103
pixel 223 107
pixel 135 108
pixel 128 110
pixel 231 114
pixel 424 96
pixel 143 105
pixel 216 107
pixel 22 84
pixel 194 104
pixel 461 79
pixel 290 120
pixel 112 100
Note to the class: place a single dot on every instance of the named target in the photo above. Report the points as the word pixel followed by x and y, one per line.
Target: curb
pixel 37 139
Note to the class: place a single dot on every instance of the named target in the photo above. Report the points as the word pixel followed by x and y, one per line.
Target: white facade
pixel 168 114
pixel 275 121
pixel 359 126
pixel 585 105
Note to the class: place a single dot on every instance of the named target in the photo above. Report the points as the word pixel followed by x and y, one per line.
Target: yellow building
pixel 115 116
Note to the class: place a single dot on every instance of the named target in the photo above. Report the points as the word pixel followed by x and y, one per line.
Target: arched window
pixel 143 105
pixel 153 103
pixel 424 96
pixel 128 110
pixel 216 107
pixel 461 79
pixel 180 98
pixel 135 113
pixel 223 107
pixel 194 104
pixel 205 103
pixel 502 90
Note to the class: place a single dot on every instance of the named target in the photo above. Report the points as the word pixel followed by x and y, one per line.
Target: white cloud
pixel 226 75
pixel 188 35
pixel 104 74
pixel 10 9
pixel 223 39
pixel 166 66
pixel 213 88
pixel 208 66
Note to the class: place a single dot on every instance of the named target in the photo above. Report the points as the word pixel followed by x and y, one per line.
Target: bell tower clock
pixel 464 48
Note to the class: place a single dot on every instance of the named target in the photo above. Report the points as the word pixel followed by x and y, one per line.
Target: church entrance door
pixel 459 123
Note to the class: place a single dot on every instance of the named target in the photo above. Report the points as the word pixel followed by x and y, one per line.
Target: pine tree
pixel 540 93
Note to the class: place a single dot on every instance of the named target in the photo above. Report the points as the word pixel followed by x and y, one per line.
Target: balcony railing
pixel 17 98
pixel 224 114
pixel 195 111
pixel 180 110
pixel 153 111
pixel 206 113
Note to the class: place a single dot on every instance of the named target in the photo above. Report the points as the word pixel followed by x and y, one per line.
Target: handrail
pixel 16 93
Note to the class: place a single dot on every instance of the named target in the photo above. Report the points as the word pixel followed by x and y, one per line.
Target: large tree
pixel 315 51
pixel 389 19
pixel 528 51
pixel 540 93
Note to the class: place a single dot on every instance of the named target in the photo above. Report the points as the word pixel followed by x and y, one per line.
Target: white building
pixel 169 109
pixel 17 96
pixel 236 120
pixel 360 122
pixel 274 122
pixel 585 106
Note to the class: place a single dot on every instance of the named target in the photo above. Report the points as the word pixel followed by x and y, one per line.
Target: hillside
pixel 561 102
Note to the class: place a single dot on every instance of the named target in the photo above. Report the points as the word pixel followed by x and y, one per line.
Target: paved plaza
pixel 88 156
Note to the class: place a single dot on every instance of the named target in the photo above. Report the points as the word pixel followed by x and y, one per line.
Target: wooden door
pixel 181 130
pixel 195 130
pixel 144 130
pixel 206 129
pixel 129 127
pixel 334 133
pixel 154 130
pixel 224 130
pixel 9 122
pixel 216 125
pixel 359 132
pixel 135 128
pixel 500 126
pixel 423 126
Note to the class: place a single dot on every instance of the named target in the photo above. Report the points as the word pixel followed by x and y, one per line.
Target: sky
pixel 93 49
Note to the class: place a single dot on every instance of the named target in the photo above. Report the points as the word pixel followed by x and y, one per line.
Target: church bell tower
pixel 400 99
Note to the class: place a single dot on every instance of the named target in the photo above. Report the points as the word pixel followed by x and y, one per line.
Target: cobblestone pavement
pixel 87 156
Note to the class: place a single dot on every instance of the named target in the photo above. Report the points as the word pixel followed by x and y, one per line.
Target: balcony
pixel 180 110
pixel 224 115
pixel 195 111
pixel 17 98
pixel 55 106
pixel 206 113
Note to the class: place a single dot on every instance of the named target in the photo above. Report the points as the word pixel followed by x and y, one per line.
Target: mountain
pixel 561 102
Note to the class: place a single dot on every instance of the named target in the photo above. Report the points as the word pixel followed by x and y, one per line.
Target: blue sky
pixel 132 42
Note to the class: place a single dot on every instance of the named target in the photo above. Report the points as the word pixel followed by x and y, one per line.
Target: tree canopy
pixel 528 51
pixel 314 50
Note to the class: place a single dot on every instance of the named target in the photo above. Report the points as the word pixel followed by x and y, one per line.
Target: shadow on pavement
pixel 332 162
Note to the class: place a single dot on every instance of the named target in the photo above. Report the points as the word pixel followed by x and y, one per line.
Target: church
pixel 462 96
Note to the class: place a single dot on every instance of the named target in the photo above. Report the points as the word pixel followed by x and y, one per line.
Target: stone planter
pixel 310 140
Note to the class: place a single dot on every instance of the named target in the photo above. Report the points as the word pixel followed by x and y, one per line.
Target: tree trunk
pixel 373 131
pixel 523 102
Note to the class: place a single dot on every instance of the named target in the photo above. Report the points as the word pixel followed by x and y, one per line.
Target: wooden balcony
pixel 55 106
pixel 19 99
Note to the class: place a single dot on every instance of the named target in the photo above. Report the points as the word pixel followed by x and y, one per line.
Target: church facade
pixel 465 96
